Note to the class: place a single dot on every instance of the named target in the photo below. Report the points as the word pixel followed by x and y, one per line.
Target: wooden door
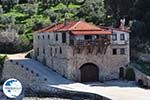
pixel 89 73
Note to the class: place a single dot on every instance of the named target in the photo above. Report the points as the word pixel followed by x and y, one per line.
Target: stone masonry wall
pixel 141 76
pixel 69 66
pixel 108 64
pixel 14 70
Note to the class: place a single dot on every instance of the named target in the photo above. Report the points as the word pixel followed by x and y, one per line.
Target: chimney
pixel 65 19
pixel 122 24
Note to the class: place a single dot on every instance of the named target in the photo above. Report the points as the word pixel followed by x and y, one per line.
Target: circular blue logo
pixel 12 88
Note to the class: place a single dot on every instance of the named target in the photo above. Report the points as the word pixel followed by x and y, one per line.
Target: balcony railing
pixel 91 42
pixel 119 42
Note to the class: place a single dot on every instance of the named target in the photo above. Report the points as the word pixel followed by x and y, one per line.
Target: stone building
pixel 82 51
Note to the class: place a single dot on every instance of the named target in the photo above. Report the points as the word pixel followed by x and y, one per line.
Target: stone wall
pixel 141 76
pixel 108 64
pixel 69 62
pixel 13 69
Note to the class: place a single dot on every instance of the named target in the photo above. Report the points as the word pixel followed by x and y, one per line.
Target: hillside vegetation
pixel 20 18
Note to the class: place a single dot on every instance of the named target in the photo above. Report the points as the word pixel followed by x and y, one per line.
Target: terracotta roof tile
pixel 76 27
pixel 81 25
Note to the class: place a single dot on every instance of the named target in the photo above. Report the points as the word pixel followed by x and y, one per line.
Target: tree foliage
pixel 118 8
pixel 141 13
pixel 93 11
pixel 137 11
pixel 27 16
pixel 8 4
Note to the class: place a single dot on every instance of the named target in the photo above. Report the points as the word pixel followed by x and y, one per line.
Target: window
pixel 43 51
pixel 122 51
pixel 56 37
pixel 78 50
pixel 114 51
pixel 37 51
pixel 60 50
pixel 88 37
pixel 97 36
pixel 51 51
pixel 38 37
pixel 48 36
pixel 90 50
pixel 122 37
pixel 114 37
pixel 55 51
pixel 64 37
pixel 43 36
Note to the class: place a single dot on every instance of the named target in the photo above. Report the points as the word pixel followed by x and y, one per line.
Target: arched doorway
pixel 121 73
pixel 89 73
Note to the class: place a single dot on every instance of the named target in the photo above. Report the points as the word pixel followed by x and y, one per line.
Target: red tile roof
pixel 117 29
pixel 76 27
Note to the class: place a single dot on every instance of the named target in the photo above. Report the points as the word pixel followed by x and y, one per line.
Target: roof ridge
pixel 48 27
pixel 74 25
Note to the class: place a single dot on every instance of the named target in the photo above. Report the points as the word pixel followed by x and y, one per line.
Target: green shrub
pixel 130 74
pixel 2 59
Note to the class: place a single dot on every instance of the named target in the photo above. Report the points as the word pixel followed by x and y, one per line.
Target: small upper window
pixel 114 37
pixel 48 36
pixel 38 52
pixel 97 36
pixel 38 37
pixel 122 37
pixel 51 51
pixel 88 37
pixel 60 50
pixel 56 37
pixel 64 38
pixel 90 50
pixel 122 51
pixel 78 50
pixel 43 51
pixel 114 51
pixel 55 51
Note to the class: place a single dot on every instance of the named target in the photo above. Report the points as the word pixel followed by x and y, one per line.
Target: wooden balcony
pixel 96 42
